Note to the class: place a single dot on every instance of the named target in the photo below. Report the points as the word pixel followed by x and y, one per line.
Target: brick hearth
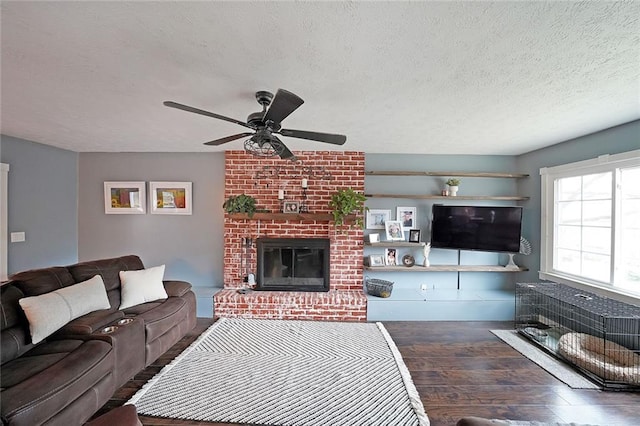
pixel 262 178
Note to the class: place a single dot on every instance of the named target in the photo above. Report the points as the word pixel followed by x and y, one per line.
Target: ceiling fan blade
pixel 187 108
pixel 283 104
pixel 281 149
pixel 228 139
pixel 315 136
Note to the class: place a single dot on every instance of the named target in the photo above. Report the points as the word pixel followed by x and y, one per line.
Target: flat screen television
pixel 480 228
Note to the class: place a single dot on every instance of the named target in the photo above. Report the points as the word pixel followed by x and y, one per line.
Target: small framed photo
pixel 376 260
pixel 170 197
pixel 393 230
pixel 407 215
pixel 125 198
pixel 377 217
pixel 391 257
pixel 290 207
pixel 414 235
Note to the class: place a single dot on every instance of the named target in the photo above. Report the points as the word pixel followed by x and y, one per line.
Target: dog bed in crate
pixel 607 360
pixel 377 287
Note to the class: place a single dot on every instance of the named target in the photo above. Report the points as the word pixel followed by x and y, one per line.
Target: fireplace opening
pixel 293 264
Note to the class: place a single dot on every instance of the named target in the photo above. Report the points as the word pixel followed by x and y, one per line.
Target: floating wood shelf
pixel 395 244
pixel 452 174
pixel 444 197
pixel 445 268
pixel 318 217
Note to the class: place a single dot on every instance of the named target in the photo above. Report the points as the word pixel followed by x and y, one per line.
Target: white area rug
pixel 277 372
pixel 555 367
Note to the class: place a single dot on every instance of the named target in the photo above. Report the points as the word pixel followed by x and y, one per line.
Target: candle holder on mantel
pixel 304 207
pixel 281 199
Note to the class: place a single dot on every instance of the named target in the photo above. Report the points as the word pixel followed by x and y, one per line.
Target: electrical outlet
pixel 423 287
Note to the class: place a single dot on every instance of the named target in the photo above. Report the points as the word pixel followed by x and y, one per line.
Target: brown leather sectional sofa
pixel 68 376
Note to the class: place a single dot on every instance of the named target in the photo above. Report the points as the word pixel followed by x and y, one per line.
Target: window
pixel 591 223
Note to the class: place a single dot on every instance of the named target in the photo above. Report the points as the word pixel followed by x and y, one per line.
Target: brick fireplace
pixel 325 172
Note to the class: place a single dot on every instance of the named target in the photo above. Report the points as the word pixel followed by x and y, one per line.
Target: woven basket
pixel 377 287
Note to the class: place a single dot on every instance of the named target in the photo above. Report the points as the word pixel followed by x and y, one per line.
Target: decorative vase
pixel 425 250
pixel 453 190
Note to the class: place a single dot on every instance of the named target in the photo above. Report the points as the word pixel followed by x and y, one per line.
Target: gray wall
pixel 615 140
pixel 190 246
pixel 43 199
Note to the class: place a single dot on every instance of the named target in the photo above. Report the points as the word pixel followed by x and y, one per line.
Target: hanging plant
pixel 347 202
pixel 240 204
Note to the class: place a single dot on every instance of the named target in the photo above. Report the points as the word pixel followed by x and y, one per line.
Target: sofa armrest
pixel 176 288
pixel 89 323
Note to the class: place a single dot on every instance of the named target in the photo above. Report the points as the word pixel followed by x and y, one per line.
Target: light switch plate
pixel 17 237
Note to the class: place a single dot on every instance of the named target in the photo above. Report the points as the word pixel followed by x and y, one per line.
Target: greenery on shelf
pixel 347 202
pixel 240 204
pixel 453 182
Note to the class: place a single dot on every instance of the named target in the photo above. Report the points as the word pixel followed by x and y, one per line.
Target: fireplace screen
pixel 293 264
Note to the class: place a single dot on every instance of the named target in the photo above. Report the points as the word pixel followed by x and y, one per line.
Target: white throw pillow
pixel 141 286
pixel 49 312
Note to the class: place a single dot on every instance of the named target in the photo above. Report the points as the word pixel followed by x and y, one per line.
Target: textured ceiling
pixel 406 77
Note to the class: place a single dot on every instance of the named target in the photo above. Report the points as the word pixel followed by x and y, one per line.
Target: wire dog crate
pixel 597 335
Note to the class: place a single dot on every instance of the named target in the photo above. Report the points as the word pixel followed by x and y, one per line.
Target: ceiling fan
pixel 266 124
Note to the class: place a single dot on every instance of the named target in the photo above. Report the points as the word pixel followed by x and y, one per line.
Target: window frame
pixel 548 176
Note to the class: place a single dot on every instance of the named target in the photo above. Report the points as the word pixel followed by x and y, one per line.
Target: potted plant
pixel 242 203
pixel 453 186
pixel 347 202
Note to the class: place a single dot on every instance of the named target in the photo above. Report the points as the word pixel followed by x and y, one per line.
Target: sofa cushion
pixel 39 359
pixel 141 286
pixel 48 312
pixel 480 421
pixel 109 270
pixel 160 317
pixel 37 396
pixel 41 281
pixel 125 415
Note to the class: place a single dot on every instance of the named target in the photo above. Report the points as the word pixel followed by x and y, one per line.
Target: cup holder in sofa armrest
pixel 109 329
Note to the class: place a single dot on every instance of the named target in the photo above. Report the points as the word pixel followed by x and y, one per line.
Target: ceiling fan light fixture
pixel 259 147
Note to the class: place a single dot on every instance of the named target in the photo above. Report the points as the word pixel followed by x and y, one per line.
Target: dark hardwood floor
pixel 461 369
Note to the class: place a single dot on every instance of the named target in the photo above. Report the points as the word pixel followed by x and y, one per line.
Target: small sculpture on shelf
pixel 525 248
pixel 425 250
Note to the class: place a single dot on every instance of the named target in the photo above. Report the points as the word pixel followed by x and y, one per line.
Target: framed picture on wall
pixel 171 198
pixel 407 215
pixel 391 257
pixel 377 217
pixel 376 260
pixel 414 235
pixel 290 207
pixel 124 198
pixel 394 230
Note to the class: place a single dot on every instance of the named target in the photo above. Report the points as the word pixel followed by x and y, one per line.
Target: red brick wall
pixel 326 172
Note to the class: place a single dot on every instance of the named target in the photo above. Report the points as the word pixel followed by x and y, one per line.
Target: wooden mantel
pixel 318 217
